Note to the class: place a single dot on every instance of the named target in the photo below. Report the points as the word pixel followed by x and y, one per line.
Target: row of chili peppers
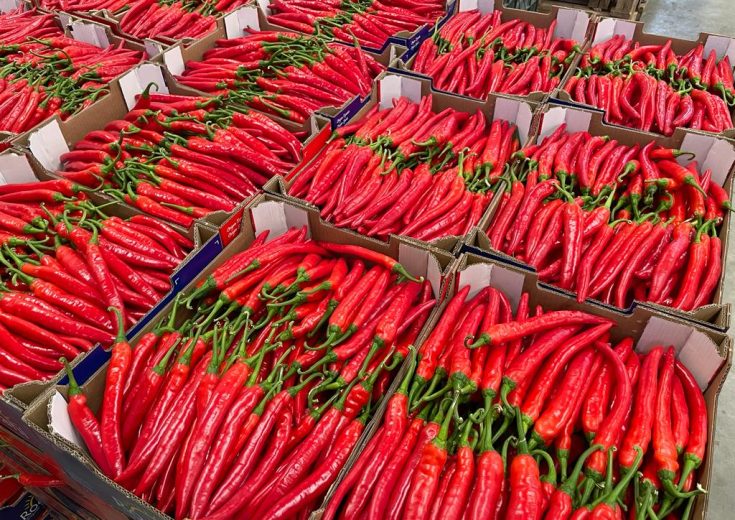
pixel 492 432
pixel 476 53
pixel 408 170
pixel 19 25
pixel 67 268
pixel 296 74
pixel 179 158
pixel 167 19
pixel 254 403
pixel 172 20
pixel 369 22
pixel 648 87
pixel 614 222
pixel 692 70
pixel 43 72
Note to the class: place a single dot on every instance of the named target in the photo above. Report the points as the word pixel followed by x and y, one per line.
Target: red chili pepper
pixel 698 253
pixel 85 422
pixel 638 434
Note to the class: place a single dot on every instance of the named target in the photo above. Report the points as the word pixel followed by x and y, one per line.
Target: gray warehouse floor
pixel 685 19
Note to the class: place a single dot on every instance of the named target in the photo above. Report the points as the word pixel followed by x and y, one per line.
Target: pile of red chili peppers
pixel 650 88
pixel 614 222
pixel 369 22
pixel 253 405
pixel 67 269
pixel 540 417
pixel 289 74
pixel 475 54
pixel 43 72
pixel 174 20
pixel 409 170
pixel 179 158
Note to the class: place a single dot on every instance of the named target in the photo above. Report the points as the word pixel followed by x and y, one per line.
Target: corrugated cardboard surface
pixel 712 152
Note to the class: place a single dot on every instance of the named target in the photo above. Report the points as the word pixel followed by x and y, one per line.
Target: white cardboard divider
pixel 570 23
pixel 393 86
pixel 711 152
pixel 9 5
pixel 481 275
pixel 15 168
pixel 237 21
pixel 60 423
pixel 693 348
pixel 152 47
pixel 91 33
pixel 47 144
pixel 609 27
pixel 277 218
pixel 517 112
pixel 722 45
pixel 174 60
pixel 136 80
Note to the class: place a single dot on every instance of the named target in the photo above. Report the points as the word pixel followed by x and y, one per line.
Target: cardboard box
pixel 47 419
pixel 43 146
pixel 711 152
pixel 707 354
pixel 570 23
pixel 391 85
pixel 606 28
pixel 85 31
pixel 154 45
pixel 411 40
pixel 15 168
pixel 175 58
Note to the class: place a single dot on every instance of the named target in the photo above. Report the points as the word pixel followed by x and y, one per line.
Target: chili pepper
pixel 85 422
pixel 426 477
pixel 503 332
pixel 557 412
pixel 609 430
pixel 110 422
pixel 638 433
pixel 320 479
pixel 432 347
pixel 698 252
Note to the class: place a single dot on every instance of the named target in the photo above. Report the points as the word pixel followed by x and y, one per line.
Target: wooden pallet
pixel 626 9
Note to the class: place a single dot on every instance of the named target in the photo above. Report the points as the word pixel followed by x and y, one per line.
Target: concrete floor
pixel 686 19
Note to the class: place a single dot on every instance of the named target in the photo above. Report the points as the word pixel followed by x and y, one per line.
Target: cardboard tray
pixel 606 28
pixel 207 245
pixel 175 58
pixel 83 31
pixel 411 40
pixel 706 353
pixel 712 152
pixel 391 85
pixel 42 147
pixel 154 45
pixel 46 424
pixel 571 23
